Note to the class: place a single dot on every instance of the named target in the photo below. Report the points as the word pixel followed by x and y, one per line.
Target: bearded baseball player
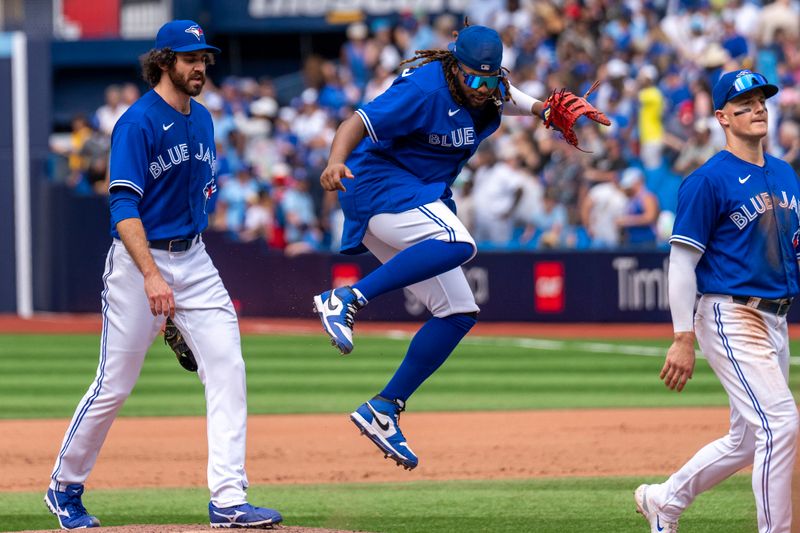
pixel 162 182
pixel 399 154
pixel 735 243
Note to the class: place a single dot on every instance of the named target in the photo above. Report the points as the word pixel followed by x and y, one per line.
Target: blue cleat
pixel 378 419
pixel 69 509
pixel 336 310
pixel 243 516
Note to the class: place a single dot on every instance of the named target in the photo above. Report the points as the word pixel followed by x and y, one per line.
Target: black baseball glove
pixel 175 340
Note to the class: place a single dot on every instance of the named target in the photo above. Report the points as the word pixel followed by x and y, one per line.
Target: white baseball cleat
pixel 337 310
pixel 658 524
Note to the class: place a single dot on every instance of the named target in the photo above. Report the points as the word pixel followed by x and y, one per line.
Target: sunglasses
pixel 745 82
pixel 474 81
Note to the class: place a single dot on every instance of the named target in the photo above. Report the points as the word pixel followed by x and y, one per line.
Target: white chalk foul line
pixel 580 346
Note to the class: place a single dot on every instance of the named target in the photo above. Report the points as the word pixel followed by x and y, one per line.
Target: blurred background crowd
pixel 525 188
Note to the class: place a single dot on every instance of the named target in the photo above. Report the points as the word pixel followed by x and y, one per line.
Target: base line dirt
pixel 171 452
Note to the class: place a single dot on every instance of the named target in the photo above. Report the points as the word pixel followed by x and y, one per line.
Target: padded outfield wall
pixel 622 286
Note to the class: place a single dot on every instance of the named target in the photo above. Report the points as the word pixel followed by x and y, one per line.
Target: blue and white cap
pixel 479 48
pixel 732 84
pixel 183 36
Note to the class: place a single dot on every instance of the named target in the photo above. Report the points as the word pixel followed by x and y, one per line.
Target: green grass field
pixel 45 376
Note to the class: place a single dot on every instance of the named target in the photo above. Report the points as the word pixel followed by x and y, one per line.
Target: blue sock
pixel 416 263
pixel 429 348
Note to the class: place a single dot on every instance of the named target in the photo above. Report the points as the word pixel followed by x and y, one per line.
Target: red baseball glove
pixel 562 109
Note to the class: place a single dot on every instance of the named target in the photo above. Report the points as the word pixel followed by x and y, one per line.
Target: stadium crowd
pixel 657 61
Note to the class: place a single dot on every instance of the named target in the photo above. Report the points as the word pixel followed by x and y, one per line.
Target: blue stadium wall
pixel 542 287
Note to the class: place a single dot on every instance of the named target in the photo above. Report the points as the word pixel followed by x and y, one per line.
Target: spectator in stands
pixel 651 118
pixel 548 227
pixel 310 122
pixel 76 161
pixel 94 153
pixel 259 218
pixel 732 41
pixel 130 93
pixel 354 54
pixel 444 26
pixel 789 143
pixel 107 114
pixel 380 81
pixel 601 209
pixel 498 184
pixel 223 122
pixel 696 150
pixel 236 194
pixel 300 220
pixel 641 211
pixel 332 94
pixel 608 163
pixel 386 53
pixel 777 16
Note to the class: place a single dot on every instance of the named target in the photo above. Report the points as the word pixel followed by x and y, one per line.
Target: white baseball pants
pixel 388 233
pixel 748 350
pixel 205 316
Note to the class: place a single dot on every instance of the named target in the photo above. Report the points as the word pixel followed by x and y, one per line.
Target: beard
pixel 187 84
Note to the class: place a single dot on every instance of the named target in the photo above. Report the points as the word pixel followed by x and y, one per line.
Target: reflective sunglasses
pixel 745 82
pixel 474 81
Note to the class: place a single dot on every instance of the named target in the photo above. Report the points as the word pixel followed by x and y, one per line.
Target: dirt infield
pixel 171 452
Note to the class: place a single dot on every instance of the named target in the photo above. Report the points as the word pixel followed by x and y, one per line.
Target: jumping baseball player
pixel 161 186
pixel 735 242
pixel 402 152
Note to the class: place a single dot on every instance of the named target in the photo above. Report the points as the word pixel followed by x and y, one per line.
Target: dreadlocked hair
pixel 449 64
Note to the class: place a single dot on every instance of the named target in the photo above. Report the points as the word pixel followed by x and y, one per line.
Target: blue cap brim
pixel 769 91
pixel 195 47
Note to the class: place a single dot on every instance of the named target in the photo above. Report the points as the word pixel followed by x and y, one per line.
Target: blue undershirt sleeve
pixel 124 203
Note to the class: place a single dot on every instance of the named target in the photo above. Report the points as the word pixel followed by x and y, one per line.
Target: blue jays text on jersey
pixel 760 204
pixel 418 139
pixel 179 154
pixel 169 160
pixel 746 220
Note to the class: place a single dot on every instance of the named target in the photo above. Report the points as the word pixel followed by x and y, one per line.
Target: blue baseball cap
pixel 732 84
pixel 479 48
pixel 183 36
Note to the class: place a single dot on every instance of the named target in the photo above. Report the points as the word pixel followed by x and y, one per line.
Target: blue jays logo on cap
pixel 183 36
pixel 479 48
pixel 195 30
pixel 738 82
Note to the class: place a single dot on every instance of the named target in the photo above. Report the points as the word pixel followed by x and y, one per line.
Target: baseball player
pixel 735 242
pixel 402 152
pixel 162 183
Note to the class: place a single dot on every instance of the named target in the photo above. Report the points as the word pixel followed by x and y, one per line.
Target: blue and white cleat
pixel 69 509
pixel 337 309
pixel 243 516
pixel 378 419
pixel 646 508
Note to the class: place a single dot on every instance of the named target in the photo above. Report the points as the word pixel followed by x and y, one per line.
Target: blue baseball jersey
pixel 745 220
pixel 418 139
pixel 168 159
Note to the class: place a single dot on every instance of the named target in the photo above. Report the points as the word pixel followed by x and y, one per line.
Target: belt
pixel 174 245
pixel 777 307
